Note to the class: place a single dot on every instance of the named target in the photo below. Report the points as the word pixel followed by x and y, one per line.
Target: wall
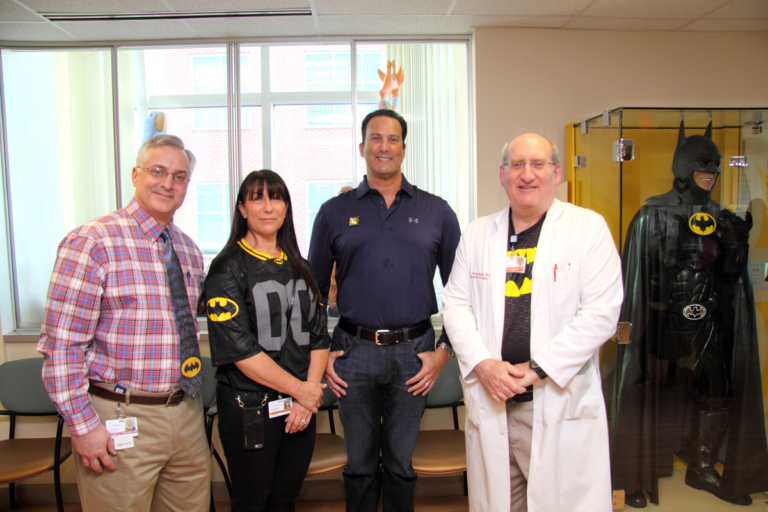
pixel 537 80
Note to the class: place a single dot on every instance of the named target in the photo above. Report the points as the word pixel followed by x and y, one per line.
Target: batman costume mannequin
pixel 689 382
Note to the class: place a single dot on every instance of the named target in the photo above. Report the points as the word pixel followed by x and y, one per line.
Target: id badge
pixel 516 264
pixel 280 407
pixel 123 442
pixel 123 427
pixel 123 431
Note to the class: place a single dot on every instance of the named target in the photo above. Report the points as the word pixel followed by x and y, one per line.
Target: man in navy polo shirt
pixel 386 237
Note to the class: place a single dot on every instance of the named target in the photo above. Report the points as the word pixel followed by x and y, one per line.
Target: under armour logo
pixel 412 220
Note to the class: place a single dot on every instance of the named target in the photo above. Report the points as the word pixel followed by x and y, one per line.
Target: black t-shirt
pixel 516 341
pixel 248 297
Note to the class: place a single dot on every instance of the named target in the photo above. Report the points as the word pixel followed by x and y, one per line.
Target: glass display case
pixel 690 389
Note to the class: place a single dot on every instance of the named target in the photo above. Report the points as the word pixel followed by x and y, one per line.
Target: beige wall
pixel 538 80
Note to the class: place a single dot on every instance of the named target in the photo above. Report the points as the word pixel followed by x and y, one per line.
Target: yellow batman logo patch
pixel 221 309
pixel 702 224
pixel 354 221
pixel 191 367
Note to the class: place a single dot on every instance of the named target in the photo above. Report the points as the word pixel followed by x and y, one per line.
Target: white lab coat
pixel 574 310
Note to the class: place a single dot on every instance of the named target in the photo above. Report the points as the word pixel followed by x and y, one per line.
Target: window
pixel 209 76
pixel 61 168
pixel 63 100
pixel 213 217
pixel 330 72
pixel 319 192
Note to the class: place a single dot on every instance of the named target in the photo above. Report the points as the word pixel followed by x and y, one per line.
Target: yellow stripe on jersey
pixel 262 256
pixel 511 289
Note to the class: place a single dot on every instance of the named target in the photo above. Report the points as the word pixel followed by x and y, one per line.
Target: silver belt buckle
pixel 382 331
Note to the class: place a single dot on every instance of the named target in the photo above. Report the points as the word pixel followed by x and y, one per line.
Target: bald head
pixel 529 172
pixel 508 147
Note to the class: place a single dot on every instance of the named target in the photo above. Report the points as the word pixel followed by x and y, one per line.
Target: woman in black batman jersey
pixel 269 339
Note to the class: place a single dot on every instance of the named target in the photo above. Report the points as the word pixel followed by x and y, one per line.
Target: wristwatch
pixel 446 346
pixel 538 369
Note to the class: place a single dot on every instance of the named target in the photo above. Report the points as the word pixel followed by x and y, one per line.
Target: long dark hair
pixel 286 235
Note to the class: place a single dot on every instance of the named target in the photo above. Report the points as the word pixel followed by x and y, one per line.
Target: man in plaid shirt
pixel 111 347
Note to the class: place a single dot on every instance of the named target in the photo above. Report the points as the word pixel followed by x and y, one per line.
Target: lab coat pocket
pixel 473 394
pixel 583 399
pixel 565 292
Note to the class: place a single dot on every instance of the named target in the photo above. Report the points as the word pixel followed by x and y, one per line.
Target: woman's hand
pixel 310 395
pixel 298 419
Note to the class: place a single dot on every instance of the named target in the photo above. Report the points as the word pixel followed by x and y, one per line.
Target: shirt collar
pixel 364 188
pixel 146 222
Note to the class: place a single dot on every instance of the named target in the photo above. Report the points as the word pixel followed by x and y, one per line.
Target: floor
pixel 443 504
pixel 675 497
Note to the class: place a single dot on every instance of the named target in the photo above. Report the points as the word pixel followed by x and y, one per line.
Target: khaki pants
pixel 520 431
pixel 167 469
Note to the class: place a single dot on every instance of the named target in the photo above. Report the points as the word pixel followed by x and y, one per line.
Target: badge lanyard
pixel 515 264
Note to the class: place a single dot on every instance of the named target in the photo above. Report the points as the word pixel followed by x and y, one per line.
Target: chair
pixel 208 394
pixel 443 452
pixel 23 394
pixel 330 454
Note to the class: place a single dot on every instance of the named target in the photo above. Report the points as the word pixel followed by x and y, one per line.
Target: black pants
pixel 268 479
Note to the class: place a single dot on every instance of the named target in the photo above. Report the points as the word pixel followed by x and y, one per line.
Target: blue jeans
pixel 379 417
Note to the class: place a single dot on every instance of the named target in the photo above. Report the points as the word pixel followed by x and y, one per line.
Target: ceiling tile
pixel 659 9
pixel 33 31
pixel 375 7
pixel 465 24
pixel 95 6
pixel 741 9
pixel 235 5
pixel 254 27
pixel 364 17
pixel 380 25
pixel 128 30
pixel 760 25
pixel 520 7
pixel 11 11
pixel 596 23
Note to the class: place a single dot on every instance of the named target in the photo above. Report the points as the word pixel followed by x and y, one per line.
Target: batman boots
pixel 701 473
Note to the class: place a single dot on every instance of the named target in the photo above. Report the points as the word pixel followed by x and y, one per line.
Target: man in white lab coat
pixel 535 290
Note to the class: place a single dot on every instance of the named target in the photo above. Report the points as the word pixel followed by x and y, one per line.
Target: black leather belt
pixel 386 336
pixel 523 397
pixel 173 398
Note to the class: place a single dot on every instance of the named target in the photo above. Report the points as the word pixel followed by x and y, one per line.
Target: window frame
pixel 266 99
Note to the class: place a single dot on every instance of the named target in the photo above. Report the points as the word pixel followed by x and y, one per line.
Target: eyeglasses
pixel 179 177
pixel 536 165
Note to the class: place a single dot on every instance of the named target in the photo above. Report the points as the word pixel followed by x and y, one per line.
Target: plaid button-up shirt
pixel 108 314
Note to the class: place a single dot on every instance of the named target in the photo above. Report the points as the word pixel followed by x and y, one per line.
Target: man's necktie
pixel 189 350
